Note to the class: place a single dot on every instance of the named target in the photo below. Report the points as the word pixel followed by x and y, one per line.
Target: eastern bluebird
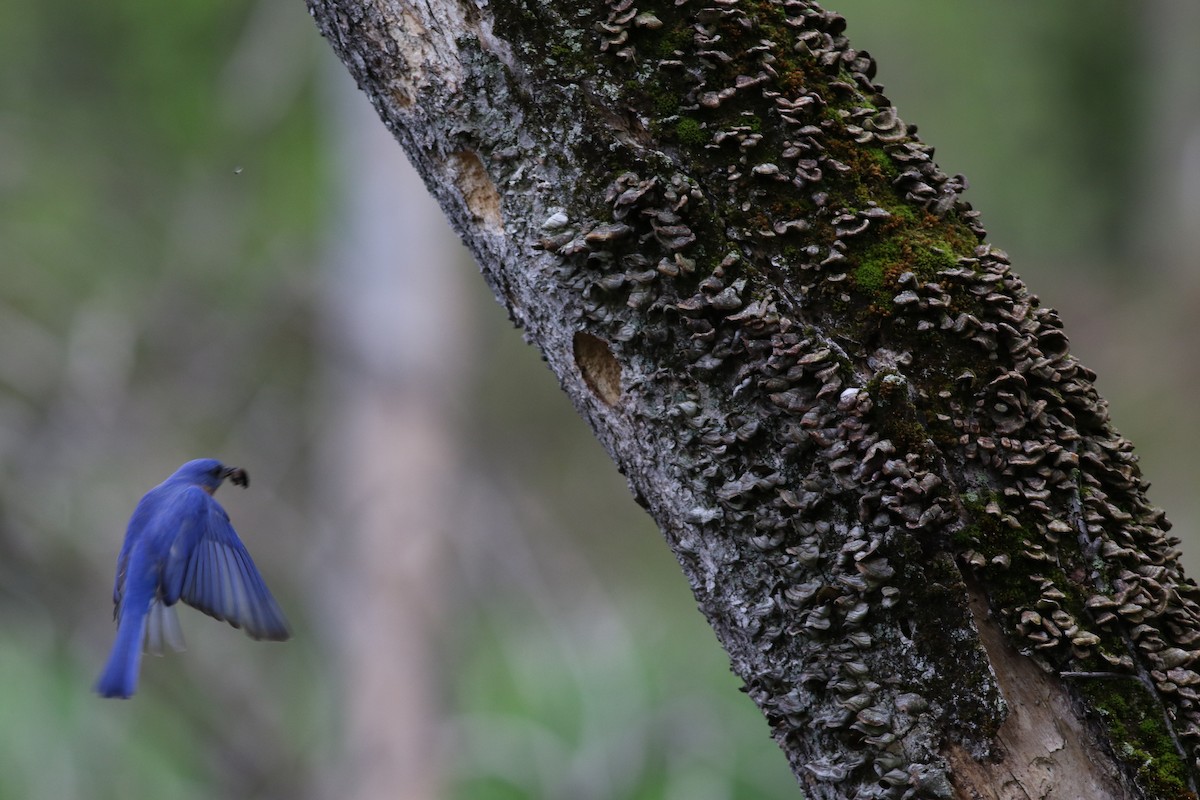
pixel 181 545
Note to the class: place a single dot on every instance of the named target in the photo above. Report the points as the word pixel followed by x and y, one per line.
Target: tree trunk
pixel 389 460
pixel 896 495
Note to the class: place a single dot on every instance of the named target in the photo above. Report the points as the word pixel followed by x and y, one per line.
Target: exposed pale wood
pixel 1045 749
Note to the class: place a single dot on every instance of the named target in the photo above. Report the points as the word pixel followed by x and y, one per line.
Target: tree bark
pixel 895 493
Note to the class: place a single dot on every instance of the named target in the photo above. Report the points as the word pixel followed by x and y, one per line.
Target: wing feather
pixel 221 580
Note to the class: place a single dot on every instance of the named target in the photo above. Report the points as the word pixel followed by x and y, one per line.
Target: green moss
pixel 871 276
pixel 561 52
pixel 1138 734
pixel 690 133
pixel 884 162
pixel 902 212
pixel 660 97
pixel 672 40
pixel 905 243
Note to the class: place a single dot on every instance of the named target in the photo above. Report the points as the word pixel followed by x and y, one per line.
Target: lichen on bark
pixel 844 410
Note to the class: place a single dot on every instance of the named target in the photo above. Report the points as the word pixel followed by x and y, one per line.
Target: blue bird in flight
pixel 180 545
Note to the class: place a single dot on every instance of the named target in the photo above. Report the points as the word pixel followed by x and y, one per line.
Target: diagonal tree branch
pixel 896 495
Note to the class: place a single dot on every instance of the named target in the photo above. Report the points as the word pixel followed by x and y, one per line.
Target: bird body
pixel 180 545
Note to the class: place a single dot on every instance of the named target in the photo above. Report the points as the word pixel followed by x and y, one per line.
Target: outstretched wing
pixel 216 575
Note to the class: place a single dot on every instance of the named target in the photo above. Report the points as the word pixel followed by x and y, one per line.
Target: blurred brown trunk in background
pixel 389 456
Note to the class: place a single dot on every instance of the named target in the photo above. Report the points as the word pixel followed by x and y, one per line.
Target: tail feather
pixel 162 627
pixel 120 675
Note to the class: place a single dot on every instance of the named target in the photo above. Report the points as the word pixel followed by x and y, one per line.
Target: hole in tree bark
pixel 478 190
pixel 599 367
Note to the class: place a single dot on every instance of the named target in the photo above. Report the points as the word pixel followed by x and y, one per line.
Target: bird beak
pixel 236 476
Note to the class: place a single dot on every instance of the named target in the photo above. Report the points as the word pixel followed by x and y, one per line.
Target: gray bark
pixel 895 493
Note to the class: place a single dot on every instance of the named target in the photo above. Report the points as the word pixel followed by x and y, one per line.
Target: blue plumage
pixel 180 545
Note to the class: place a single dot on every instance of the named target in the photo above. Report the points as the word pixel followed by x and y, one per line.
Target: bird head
pixel 208 473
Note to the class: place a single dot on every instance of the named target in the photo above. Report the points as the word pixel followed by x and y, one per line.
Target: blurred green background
pixel 182 275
